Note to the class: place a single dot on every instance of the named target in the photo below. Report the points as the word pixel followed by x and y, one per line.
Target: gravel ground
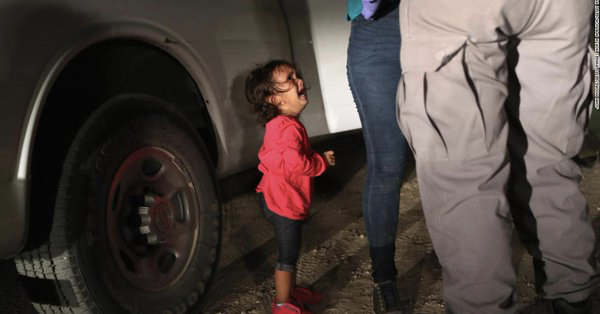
pixel 334 257
pixel 335 253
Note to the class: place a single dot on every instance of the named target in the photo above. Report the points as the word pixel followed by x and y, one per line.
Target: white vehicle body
pixel 62 61
pixel 217 42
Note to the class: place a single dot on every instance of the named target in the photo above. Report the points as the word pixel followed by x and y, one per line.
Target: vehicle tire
pixel 136 222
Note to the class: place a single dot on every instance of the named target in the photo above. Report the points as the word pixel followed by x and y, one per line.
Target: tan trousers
pixel 493 101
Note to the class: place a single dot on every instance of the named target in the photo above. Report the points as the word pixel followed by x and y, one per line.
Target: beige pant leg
pixel 450 103
pixel 451 109
pixel 548 108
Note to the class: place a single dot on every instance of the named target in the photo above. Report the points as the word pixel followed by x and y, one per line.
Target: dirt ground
pixel 334 257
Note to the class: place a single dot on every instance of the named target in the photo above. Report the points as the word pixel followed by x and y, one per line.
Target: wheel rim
pixel 152 218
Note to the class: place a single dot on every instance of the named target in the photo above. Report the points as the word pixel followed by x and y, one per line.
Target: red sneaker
pixel 289 307
pixel 306 296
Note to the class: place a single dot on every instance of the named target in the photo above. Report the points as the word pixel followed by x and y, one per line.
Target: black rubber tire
pixel 76 270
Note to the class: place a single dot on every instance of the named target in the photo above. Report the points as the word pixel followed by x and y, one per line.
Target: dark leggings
pixel 373 73
pixel 287 234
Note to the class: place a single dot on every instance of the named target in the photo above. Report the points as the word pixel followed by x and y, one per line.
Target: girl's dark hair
pixel 260 85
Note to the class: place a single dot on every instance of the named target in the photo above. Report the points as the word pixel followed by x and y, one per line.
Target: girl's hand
pixel 329 158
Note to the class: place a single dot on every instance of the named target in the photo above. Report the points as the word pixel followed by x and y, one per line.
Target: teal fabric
pixel 353 9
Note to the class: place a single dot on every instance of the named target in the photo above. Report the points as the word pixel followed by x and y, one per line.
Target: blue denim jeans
pixel 373 73
pixel 288 235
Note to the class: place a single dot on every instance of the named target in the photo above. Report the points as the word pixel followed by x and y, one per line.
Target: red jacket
pixel 288 165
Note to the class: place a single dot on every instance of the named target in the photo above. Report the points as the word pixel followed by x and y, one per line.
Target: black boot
pixel 385 298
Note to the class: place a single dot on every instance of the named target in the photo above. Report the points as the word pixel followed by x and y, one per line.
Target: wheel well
pixel 97 74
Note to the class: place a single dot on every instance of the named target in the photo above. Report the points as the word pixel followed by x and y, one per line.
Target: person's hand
pixel 329 158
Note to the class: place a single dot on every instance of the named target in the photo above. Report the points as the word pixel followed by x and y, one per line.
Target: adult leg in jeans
pixel 373 74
